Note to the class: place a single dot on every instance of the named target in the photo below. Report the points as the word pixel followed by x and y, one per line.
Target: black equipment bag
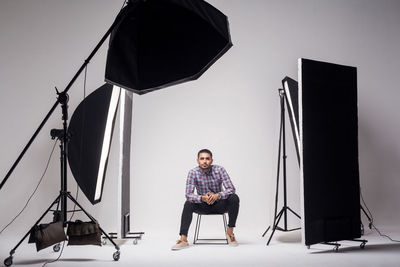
pixel 45 235
pixel 83 233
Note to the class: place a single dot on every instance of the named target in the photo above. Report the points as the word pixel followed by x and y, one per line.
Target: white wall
pixel 233 109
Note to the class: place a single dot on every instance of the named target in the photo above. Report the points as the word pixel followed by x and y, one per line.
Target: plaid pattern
pixel 211 181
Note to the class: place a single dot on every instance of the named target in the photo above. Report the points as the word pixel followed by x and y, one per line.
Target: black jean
pixel 230 205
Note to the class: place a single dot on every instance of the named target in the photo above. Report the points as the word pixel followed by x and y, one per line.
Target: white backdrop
pixel 233 109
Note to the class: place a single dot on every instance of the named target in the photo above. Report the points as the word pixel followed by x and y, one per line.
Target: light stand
pixel 64 195
pixel 282 148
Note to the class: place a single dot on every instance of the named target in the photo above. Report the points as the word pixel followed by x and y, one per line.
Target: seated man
pixel 210 198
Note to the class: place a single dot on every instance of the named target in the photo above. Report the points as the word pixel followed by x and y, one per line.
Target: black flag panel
pixel 329 151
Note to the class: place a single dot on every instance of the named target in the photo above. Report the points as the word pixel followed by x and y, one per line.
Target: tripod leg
pixel 278 168
pixel 293 212
pixel 369 218
pixel 266 231
pixel 93 219
pixel 41 217
pixel 275 222
pixel 275 225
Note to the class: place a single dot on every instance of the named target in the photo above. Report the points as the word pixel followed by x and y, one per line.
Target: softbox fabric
pixel 87 131
pixel 159 43
pixel 291 89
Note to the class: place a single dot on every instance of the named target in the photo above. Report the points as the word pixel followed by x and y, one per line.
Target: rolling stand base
pixel 135 236
pixel 337 245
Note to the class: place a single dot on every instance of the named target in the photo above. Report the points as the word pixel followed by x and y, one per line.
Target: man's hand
pixel 213 198
pixel 205 197
pixel 210 198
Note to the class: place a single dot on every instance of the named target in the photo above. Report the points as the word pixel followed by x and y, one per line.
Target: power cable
pixel 371 223
pixel 37 186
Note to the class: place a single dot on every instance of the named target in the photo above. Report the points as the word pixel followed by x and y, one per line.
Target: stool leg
pixel 197 231
pixel 197 228
pixel 225 227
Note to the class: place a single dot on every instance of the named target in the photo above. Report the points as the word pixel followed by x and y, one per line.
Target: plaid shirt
pixel 211 181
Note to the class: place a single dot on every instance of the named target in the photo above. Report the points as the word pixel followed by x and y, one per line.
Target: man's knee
pixel 188 206
pixel 234 198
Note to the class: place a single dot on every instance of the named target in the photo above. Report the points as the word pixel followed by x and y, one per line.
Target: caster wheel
pixel 116 255
pixel 135 241
pixel 308 247
pixel 336 249
pixel 8 261
pixel 104 241
pixel 362 246
pixel 56 247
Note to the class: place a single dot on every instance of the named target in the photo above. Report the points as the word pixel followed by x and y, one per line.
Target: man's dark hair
pixel 204 151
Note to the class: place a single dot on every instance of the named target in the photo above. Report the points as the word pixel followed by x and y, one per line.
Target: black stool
pixel 197 231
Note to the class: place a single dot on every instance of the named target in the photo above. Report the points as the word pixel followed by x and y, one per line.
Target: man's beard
pixel 205 168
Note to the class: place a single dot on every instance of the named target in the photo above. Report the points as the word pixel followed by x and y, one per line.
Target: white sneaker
pixel 232 240
pixel 180 244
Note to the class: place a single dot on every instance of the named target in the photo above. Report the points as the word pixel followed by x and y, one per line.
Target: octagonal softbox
pixel 159 43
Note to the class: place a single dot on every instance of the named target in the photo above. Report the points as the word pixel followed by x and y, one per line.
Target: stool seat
pixel 219 241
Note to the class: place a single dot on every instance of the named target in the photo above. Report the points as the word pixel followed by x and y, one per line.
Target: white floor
pixel 284 250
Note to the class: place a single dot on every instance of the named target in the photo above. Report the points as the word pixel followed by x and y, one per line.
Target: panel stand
pixel 126 111
pixel 282 148
pixel 369 220
pixel 126 234
pixel 337 245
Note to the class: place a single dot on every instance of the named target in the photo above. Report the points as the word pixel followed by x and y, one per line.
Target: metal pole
pixel 63 99
pixel 282 95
